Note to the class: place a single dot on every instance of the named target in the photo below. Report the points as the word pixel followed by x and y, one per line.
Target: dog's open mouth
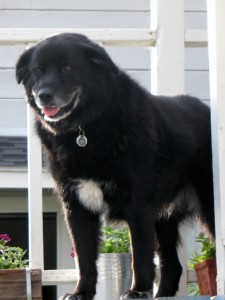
pixel 50 111
pixel 56 113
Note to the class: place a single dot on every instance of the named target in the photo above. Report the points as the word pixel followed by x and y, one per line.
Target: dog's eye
pixel 37 71
pixel 65 68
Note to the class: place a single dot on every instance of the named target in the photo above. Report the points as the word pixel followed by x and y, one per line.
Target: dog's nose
pixel 45 95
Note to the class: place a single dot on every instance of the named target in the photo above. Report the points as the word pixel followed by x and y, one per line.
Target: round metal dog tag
pixel 81 140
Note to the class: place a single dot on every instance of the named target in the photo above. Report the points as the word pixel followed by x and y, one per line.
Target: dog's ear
pixel 98 56
pixel 22 70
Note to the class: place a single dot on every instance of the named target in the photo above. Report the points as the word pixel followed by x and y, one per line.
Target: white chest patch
pixel 90 195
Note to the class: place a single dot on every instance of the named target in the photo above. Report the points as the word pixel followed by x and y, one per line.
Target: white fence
pixel 168 38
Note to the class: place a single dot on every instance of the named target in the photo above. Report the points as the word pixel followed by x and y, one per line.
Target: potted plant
pixel 114 263
pixel 114 240
pixel 15 276
pixel 204 264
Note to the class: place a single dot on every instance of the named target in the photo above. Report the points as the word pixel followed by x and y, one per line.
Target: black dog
pixel 112 147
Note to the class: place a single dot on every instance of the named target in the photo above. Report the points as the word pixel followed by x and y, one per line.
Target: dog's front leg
pixel 143 245
pixel 84 228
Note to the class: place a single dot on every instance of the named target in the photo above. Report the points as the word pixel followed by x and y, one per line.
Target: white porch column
pixel 216 42
pixel 167 76
pixel 167 58
pixel 35 210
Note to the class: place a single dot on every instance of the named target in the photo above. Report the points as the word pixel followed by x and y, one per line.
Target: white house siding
pixel 196 59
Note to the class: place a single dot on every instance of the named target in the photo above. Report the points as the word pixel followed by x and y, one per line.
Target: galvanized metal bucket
pixel 114 275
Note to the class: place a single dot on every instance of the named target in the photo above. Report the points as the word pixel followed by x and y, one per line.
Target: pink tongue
pixel 50 111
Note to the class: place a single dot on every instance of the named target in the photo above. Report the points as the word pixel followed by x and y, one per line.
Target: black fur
pixel 148 154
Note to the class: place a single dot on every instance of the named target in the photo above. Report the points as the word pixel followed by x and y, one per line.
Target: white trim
pixel 15 178
pixel 53 277
pixel 35 207
pixel 216 25
pixel 107 37
pixel 9 131
pixel 167 73
pixel 118 37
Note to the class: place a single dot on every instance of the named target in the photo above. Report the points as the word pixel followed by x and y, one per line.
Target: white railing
pixel 108 37
pixel 167 38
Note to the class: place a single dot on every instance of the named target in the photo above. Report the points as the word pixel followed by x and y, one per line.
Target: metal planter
pixel 114 275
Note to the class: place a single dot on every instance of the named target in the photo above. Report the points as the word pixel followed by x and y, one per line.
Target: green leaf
pixel 114 240
pixel 208 251
pixel 193 289
pixel 12 257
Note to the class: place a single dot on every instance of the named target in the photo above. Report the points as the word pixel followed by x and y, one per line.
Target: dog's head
pixel 65 74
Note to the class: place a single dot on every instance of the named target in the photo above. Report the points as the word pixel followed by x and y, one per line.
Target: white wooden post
pixel 167 75
pixel 216 42
pixel 35 211
pixel 167 58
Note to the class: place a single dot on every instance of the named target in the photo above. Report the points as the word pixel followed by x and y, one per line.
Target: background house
pixel 135 60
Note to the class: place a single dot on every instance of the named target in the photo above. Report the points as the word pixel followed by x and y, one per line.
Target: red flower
pixel 72 253
pixel 5 237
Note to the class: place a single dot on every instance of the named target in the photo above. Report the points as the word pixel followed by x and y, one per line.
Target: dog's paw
pixel 136 295
pixel 75 297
